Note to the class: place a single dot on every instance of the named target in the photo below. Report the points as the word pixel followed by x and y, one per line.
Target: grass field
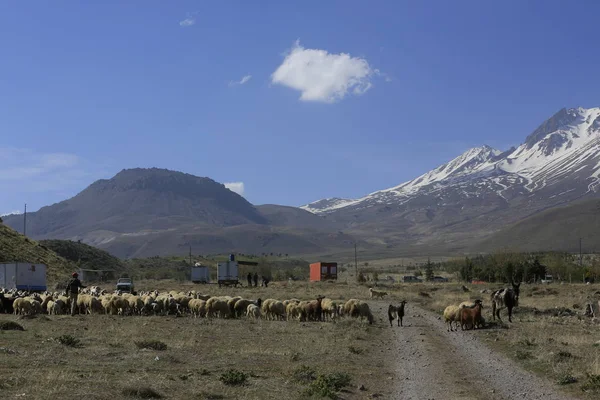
pixel 274 359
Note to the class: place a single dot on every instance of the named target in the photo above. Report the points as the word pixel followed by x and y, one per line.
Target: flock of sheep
pixel 467 314
pixel 97 301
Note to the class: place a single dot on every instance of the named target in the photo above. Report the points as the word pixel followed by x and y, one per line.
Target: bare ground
pixel 435 364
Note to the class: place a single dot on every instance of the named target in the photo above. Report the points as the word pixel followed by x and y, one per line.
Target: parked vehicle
pixel 23 276
pixel 200 274
pixel 440 279
pixel 125 285
pixel 411 279
pixel 548 279
pixel 227 272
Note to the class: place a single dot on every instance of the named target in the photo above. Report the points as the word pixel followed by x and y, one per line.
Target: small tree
pixel 429 271
pixel 375 276
pixel 466 271
pixel 360 278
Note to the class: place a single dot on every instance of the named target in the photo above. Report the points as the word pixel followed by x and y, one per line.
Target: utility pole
pixel 355 261
pixel 580 255
pixel 25 221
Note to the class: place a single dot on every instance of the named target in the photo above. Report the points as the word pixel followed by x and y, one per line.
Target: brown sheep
pixel 470 315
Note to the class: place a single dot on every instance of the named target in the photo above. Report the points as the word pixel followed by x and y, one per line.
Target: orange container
pixel 323 271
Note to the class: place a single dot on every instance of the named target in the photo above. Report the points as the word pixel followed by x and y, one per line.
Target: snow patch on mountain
pixel 565 144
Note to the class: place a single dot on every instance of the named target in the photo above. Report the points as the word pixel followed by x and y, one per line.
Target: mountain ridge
pixel 556 139
pixel 456 207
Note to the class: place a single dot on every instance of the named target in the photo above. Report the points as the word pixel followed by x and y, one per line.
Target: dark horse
pixel 398 311
pixel 506 297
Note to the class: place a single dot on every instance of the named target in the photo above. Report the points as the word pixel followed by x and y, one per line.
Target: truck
pixel 411 279
pixel 227 272
pixel 23 276
pixel 125 285
pixel 200 274
pixel 548 279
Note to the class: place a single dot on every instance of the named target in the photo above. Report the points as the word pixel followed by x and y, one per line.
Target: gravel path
pixel 434 364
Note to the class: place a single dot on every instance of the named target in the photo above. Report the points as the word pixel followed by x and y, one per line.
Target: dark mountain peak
pixel 559 120
pixel 164 181
pixel 144 198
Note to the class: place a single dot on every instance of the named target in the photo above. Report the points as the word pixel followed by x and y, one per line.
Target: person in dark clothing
pixel 249 279
pixel 73 291
pixel 255 279
pixel 265 281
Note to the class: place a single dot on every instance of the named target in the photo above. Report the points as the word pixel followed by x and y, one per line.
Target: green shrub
pixel 10 326
pixel 304 374
pixel 233 377
pixel 566 379
pixel 329 385
pixel 592 384
pixel 562 356
pixel 523 355
pixel 151 345
pixel 68 340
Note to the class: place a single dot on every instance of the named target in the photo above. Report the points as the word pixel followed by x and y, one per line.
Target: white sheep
pixel 253 311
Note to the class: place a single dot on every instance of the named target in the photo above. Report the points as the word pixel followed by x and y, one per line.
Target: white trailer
pixel 200 274
pixel 227 273
pixel 23 276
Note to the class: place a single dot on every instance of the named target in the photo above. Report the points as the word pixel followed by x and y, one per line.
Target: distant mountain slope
pixel 150 212
pixel 293 217
pixel 138 199
pixel 15 247
pixel 556 229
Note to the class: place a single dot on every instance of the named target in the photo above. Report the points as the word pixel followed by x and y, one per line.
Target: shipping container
pixel 200 274
pixel 23 276
pixel 323 271
pixel 227 273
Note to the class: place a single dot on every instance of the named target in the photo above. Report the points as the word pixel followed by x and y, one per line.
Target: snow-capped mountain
pixel 558 162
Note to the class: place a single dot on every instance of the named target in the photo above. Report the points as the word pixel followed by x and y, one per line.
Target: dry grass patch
pixel 200 358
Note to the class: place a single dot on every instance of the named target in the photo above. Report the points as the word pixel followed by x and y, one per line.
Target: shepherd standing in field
pixel 73 291
pixel 249 279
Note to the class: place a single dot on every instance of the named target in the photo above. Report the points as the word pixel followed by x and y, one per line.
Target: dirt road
pixel 435 364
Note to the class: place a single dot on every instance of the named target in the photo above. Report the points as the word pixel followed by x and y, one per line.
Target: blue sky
pixel 90 88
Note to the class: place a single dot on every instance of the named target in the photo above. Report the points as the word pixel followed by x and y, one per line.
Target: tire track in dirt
pixel 433 364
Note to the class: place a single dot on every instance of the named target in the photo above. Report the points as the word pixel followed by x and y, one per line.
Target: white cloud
pixel 321 76
pixel 189 20
pixel 237 187
pixel 241 81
